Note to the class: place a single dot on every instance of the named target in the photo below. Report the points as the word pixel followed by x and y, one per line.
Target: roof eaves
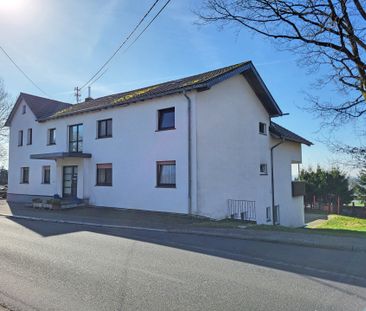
pixel 125 103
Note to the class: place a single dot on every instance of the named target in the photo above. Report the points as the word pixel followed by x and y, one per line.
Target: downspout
pixel 272 181
pixel 189 102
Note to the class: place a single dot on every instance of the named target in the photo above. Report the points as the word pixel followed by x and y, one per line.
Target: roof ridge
pixel 171 81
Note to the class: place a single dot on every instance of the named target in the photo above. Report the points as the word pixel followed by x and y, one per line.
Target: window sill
pixel 167 129
pixel 166 186
pixel 24 183
pixel 263 174
pixel 103 185
pixel 264 134
pixel 51 144
pixel 45 183
pixel 103 137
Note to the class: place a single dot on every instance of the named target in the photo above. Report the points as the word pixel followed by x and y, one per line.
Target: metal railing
pixel 242 209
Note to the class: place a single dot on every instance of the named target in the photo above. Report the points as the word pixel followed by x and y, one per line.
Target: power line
pixel 101 75
pixel 122 44
pixel 147 26
pixel 20 69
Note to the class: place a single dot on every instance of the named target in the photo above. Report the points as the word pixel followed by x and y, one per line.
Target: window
pixel 24 109
pixel 104 174
pixel 24 175
pixel 76 138
pixel 166 174
pixel 105 128
pixel 262 128
pixel 46 175
pixel 166 119
pixel 20 138
pixel 263 169
pixel 29 137
pixel 51 140
pixel 268 213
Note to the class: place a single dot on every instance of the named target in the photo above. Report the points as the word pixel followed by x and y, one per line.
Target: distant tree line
pixel 326 186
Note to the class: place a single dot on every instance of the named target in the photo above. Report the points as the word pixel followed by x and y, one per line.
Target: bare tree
pixel 329 33
pixel 5 107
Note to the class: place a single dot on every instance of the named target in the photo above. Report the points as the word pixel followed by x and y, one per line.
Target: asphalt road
pixel 48 266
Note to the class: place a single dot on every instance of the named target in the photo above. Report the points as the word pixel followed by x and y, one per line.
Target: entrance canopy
pixel 60 155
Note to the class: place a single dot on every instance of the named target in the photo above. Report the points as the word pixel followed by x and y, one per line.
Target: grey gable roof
pixel 40 106
pixel 199 82
pixel 280 132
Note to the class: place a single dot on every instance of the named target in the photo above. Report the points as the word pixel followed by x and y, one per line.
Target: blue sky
pixel 60 44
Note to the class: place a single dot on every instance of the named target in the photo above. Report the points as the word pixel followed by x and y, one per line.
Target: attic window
pixel 263 169
pixel 262 128
pixel 24 109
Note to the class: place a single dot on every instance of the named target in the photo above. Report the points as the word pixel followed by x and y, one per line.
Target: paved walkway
pixel 155 221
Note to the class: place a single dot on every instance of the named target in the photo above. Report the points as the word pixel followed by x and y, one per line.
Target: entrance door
pixel 70 181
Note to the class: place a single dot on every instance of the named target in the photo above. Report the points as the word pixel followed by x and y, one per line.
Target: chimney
pixel 89 97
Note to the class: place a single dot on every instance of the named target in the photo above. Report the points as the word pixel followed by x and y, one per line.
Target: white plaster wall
pixel 230 149
pixel 291 208
pixel 19 156
pixel 133 151
pixel 227 150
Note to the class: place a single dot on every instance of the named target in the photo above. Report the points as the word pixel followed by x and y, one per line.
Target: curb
pixel 195 232
pixel 269 240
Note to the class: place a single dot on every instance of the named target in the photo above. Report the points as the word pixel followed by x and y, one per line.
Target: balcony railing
pixel 242 209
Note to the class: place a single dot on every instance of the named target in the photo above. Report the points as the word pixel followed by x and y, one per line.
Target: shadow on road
pixel 331 265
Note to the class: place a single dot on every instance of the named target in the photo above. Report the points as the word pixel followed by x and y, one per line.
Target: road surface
pixel 48 266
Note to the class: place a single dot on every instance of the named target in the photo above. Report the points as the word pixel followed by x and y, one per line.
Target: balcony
pixel 298 188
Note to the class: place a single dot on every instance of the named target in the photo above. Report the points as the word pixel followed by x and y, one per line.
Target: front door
pixel 70 181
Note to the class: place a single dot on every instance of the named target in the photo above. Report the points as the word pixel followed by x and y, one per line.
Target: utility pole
pixel 77 94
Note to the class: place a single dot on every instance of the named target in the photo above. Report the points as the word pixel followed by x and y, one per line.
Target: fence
pixel 242 209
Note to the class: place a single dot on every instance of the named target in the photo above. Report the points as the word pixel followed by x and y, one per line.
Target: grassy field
pixel 337 222
pixel 335 225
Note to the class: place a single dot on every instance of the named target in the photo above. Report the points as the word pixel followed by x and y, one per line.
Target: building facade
pixel 203 145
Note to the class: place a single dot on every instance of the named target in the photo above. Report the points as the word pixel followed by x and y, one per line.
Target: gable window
pixel 24 109
pixel 20 138
pixel 166 119
pixel 104 174
pixel 105 128
pixel 46 174
pixel 24 175
pixel 262 128
pixel 51 140
pixel 263 169
pixel 165 174
pixel 29 136
pixel 76 138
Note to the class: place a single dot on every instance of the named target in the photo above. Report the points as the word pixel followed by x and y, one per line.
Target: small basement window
pixel 263 169
pixel 166 119
pixel 262 128
pixel 166 174
pixel 268 213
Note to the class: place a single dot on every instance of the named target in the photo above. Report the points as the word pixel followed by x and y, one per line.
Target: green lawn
pixel 337 222
pixel 335 225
